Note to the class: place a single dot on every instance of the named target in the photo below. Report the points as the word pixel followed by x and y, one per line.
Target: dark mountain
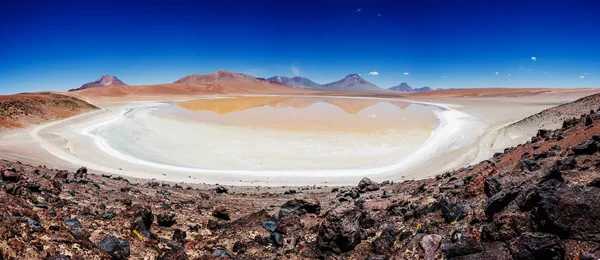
pixel 423 89
pixel 352 82
pixel 296 82
pixel 106 80
pixel 403 87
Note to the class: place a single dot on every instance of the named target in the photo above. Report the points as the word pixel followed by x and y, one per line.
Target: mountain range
pixel 350 83
pixel 404 87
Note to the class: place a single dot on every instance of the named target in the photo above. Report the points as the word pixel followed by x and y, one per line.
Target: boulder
pixel 466 246
pixel 569 212
pixel 530 165
pixel 585 147
pixel 430 245
pixel 367 184
pixel 221 213
pixel 239 247
pixel 491 251
pixel 142 221
pixel 297 207
pixel 221 190
pixel 10 175
pixel 384 243
pixel 537 246
pixel 165 219
pixel 117 248
pixel 340 231
pixel 500 200
pixel 178 235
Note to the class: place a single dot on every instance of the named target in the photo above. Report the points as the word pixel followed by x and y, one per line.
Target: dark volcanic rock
pixel 499 201
pixel 178 235
pixel 165 220
pixel 367 185
pixel 491 251
pixel 117 248
pixel 221 189
pixel 491 185
pixel 10 175
pixel 340 232
pixel 383 244
pixel 221 212
pixel 585 147
pixel 537 246
pixel 569 212
pixel 298 207
pixel 464 247
pixel 142 221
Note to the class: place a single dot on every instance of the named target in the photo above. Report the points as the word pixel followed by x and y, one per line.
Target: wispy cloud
pixel 358 10
pixel 379 14
pixel 374 73
pixel 497 73
pixel 509 74
pixel 581 77
pixel 406 73
pixel 534 58
pixel 295 70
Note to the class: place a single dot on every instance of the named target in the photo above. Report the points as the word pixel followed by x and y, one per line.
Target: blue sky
pixel 448 44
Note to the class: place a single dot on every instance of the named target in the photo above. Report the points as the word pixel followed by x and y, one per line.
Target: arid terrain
pixel 526 188
pixel 21 110
pixel 537 200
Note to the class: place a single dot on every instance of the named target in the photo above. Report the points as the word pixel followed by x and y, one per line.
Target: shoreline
pixel 394 172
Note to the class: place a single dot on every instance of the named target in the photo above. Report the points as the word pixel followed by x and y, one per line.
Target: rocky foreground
pixel 539 200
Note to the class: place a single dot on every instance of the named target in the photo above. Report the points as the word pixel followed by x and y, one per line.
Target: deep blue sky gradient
pixel 57 45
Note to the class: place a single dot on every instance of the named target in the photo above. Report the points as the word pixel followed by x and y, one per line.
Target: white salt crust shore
pixel 455 129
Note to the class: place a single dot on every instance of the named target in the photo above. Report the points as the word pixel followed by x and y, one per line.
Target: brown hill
pixel 231 79
pixel 21 110
pixel 221 82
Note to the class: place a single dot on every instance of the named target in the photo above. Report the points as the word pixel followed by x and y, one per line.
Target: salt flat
pixel 462 134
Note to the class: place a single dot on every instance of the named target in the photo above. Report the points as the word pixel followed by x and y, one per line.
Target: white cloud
pixel 295 70
pixel 497 73
pixel 374 73
pixel 509 74
pixel 379 14
pixel 533 58
pixel 405 73
pixel 581 77
pixel 358 10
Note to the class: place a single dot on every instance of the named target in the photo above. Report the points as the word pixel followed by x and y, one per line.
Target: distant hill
pixel 226 78
pixel 352 82
pixel 296 82
pixel 106 80
pixel 423 89
pixel 404 87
